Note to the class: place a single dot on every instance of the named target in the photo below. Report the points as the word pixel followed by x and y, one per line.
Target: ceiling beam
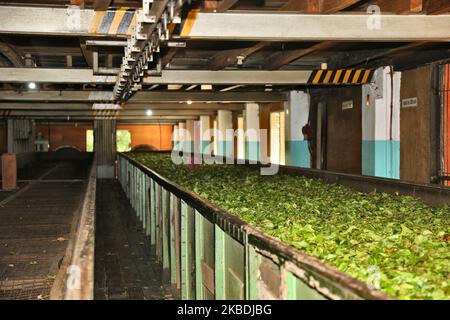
pixel 50 21
pixel 310 27
pixel 228 57
pixel 168 56
pixel 141 97
pixel 11 54
pixel 366 59
pixel 86 106
pixel 125 112
pixel 283 58
pixel 230 77
pixel 183 77
pixel 41 75
pixel 332 6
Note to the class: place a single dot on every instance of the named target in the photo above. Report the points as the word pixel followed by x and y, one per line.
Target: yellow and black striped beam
pixel 114 21
pixel 341 77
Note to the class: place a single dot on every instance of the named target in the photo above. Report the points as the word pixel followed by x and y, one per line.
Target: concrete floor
pixel 35 226
pixel 124 268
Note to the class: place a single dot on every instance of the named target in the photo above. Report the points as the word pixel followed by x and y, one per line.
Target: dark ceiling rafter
pixel 226 58
pixel 11 53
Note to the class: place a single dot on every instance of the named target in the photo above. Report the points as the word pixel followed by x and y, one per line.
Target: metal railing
pixel 208 253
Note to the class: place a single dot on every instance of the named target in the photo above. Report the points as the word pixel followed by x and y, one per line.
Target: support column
pixel 20 140
pixel 205 135
pixel 380 130
pixel 175 138
pixel 251 128
pixel 105 147
pixel 181 134
pixel 297 114
pixel 224 123
pixel 189 141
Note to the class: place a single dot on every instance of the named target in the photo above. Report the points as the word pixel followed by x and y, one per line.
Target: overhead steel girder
pixel 70 21
pixel 195 108
pixel 141 97
pixel 142 113
pixel 309 27
pixel 41 75
pixel 154 119
pixel 73 21
pixel 229 77
pixel 244 77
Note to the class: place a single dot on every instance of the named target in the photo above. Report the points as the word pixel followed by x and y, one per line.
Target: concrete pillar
pixel 380 131
pixel 297 114
pixel 225 141
pixel 20 140
pixel 190 138
pixel 181 134
pixel 105 147
pixel 205 134
pixel 175 138
pixel 251 128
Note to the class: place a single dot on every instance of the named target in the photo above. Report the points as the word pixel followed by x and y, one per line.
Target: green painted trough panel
pixel 208 253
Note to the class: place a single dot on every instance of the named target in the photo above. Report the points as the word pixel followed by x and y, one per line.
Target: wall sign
pixel 410 102
pixel 347 105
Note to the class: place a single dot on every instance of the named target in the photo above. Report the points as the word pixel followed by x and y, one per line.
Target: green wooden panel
pixel 220 263
pixel 234 269
pixel 187 252
pixel 165 229
pixel 152 212
pixel 147 205
pixel 254 261
pixel 199 242
pixel 208 253
pixel 173 262
pixel 159 231
pixel 305 292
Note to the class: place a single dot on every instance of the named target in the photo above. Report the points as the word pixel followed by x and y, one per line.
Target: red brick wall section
pixel 156 136
pixel 61 135
pixel 159 137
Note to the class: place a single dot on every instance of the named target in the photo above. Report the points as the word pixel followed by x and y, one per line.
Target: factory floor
pixel 124 268
pixel 35 226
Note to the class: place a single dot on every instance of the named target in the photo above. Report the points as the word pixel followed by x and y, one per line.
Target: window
pixel 90 140
pixel 123 140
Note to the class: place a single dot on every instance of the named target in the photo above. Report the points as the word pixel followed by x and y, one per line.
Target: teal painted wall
pixel 381 159
pixel 252 150
pixel 297 154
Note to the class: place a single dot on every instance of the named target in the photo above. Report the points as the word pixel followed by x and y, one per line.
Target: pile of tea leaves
pixel 402 237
